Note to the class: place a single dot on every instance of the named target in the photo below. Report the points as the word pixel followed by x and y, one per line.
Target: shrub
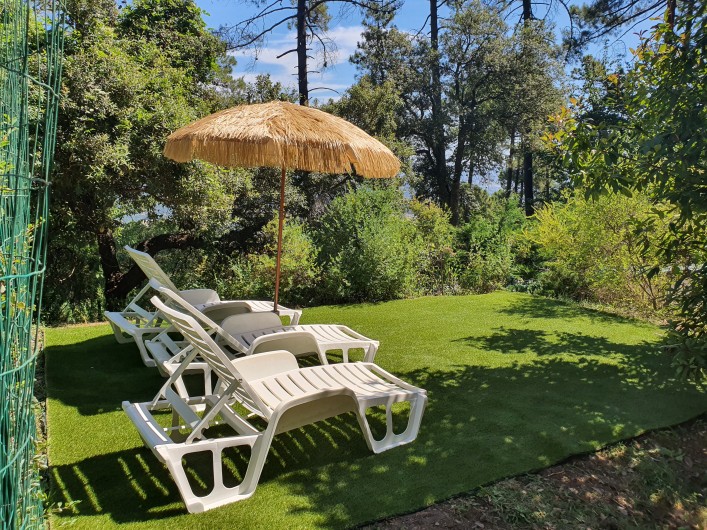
pixel 368 247
pixel 73 290
pixel 593 250
pixel 239 276
pixel 487 244
pixel 436 262
pixel 299 273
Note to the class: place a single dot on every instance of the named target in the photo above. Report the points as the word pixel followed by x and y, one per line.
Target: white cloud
pixel 337 76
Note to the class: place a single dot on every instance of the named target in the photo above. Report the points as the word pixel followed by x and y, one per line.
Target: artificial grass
pixel 515 383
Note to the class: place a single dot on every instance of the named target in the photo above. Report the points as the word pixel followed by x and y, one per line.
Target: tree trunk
pixel 509 167
pixel 528 182
pixel 670 14
pixel 439 151
pixel 527 153
pixel 109 264
pixel 118 284
pixel 688 11
pixel 457 175
pixel 303 85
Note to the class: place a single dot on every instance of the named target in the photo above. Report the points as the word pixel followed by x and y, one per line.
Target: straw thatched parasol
pixel 284 135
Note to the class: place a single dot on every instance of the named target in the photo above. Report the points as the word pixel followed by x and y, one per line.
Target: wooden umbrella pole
pixel 279 238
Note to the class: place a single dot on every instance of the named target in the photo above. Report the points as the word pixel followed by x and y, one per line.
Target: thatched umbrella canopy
pixel 284 135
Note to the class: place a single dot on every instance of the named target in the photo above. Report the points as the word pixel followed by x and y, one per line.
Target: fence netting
pixel 31 41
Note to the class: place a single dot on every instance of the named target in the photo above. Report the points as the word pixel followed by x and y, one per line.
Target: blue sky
pixel 345 32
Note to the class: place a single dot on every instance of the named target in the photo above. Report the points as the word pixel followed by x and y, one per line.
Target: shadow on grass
pixel 540 307
pixel 132 485
pixel 97 374
pixel 640 362
pixel 481 424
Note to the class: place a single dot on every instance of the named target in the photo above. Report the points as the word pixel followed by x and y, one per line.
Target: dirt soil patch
pixel 658 480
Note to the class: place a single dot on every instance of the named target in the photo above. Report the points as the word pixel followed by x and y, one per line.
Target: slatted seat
pixel 328 336
pixel 271 385
pixel 362 378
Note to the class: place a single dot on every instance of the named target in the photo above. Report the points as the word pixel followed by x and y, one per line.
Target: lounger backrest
pixel 174 299
pixel 224 368
pixel 208 350
pixel 149 266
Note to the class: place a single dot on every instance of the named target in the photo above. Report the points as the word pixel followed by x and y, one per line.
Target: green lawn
pixel 515 383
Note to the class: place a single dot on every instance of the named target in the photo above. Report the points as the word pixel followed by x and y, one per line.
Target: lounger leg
pixel 370 353
pixel 120 337
pixel 144 354
pixel 390 440
pixel 221 494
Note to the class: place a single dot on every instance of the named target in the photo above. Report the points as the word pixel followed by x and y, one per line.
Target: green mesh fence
pixel 31 40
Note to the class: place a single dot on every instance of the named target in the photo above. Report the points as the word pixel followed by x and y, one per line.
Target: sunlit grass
pixel 515 383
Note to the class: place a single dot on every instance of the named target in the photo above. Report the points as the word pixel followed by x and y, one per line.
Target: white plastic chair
pixel 135 323
pixel 272 386
pixel 256 332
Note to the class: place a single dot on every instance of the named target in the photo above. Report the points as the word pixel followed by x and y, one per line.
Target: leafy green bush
pixel 249 276
pixel 486 244
pixel 436 262
pixel 299 272
pixel 657 148
pixel 368 247
pixel 74 292
pixel 593 250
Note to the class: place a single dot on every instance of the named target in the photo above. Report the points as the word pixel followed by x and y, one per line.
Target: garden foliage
pixel 368 246
pixel 594 250
pixel 629 141
pixel 657 145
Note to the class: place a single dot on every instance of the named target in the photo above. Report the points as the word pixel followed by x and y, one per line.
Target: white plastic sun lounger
pixel 272 386
pixel 135 323
pixel 168 352
pixel 256 332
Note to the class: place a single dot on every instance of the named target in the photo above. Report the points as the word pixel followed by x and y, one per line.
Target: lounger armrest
pixel 296 342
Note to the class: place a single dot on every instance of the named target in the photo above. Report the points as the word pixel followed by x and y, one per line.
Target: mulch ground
pixel 658 480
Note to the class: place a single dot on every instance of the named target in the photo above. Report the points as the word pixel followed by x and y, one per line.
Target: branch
pixel 368 7
pixel 424 25
pixel 321 41
pixel 286 53
pixel 650 10
pixel 260 35
pixel 324 88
